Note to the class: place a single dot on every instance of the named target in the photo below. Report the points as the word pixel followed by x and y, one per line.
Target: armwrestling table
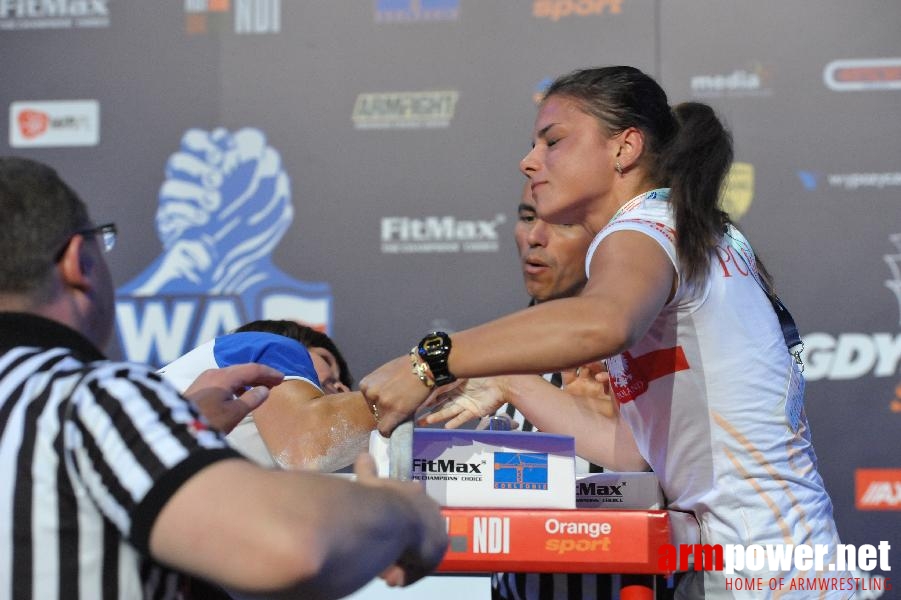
pixel 486 540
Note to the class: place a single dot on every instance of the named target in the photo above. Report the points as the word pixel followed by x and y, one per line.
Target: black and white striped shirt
pixel 552 586
pixel 563 586
pixel 90 451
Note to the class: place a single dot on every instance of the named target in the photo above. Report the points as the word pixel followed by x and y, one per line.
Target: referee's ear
pixel 75 264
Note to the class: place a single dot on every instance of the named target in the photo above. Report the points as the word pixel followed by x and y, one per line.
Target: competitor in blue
pixel 300 426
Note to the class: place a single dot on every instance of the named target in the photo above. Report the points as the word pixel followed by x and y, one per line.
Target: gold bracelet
pixel 421 369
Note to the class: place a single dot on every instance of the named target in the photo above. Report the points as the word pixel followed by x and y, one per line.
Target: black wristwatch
pixel 435 349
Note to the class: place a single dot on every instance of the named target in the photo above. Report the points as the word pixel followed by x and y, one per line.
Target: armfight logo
pixel 408 11
pixel 223 208
pixel 432 109
pixel 54 123
pixel 863 74
pixel 54 14
pixel 241 16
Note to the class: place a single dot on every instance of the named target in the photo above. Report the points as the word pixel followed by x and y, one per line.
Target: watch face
pixel 434 350
pixel 433 345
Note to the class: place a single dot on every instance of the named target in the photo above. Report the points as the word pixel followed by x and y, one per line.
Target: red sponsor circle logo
pixel 877 489
pixel 868 73
pixel 863 74
pixel 32 123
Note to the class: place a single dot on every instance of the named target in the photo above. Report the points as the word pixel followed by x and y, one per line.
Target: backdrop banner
pixel 354 165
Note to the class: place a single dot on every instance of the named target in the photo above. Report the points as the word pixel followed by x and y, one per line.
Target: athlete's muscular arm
pixel 631 278
pixel 584 410
pixel 601 438
pixel 304 429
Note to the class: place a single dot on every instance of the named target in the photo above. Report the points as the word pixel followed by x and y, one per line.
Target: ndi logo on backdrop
pixel 223 208
pixel 245 16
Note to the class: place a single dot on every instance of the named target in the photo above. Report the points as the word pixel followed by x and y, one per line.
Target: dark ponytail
pixel 695 165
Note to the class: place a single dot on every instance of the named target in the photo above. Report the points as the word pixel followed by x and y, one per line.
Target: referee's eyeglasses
pixel 106 233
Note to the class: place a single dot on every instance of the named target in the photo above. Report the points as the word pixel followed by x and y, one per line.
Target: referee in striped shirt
pixel 112 485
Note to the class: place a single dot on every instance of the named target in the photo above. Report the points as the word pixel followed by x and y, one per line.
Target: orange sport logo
pixel 557 9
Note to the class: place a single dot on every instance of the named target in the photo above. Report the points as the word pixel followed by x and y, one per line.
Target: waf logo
pixel 33 123
pixel 223 208
pixel 520 471
pixel 877 489
pixel 854 75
